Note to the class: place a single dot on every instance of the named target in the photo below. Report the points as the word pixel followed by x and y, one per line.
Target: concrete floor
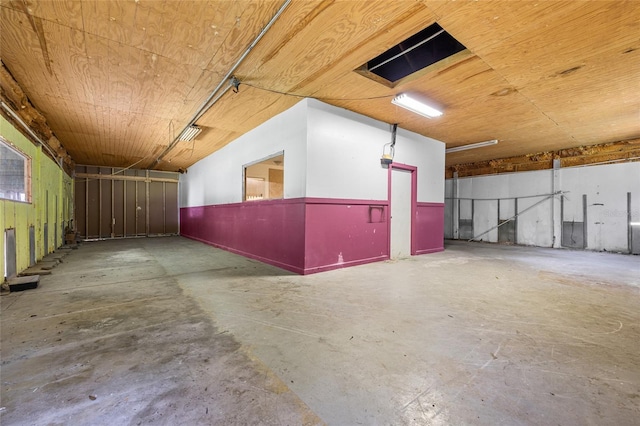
pixel 171 331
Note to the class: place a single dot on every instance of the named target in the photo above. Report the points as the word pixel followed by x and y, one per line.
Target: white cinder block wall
pixel 606 188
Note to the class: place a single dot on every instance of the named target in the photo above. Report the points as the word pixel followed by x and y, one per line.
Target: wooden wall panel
pixel 141 209
pixel 131 210
pixel 119 208
pixel 92 209
pixel 156 208
pixel 105 209
pixel 172 211
pixel 115 203
pixel 80 202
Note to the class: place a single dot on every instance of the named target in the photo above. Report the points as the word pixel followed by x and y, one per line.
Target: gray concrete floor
pixel 171 331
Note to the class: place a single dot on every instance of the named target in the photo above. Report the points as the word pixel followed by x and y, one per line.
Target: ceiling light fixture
pixel 405 101
pixel 471 146
pixel 190 133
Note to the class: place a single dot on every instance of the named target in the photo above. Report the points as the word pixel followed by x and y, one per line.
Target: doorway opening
pixel 402 199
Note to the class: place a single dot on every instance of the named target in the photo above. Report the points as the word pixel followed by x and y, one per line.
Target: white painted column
pixel 556 219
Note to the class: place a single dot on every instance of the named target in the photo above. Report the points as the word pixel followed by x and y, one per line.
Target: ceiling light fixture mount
pixel 415 105
pixel 190 133
pixel 235 83
pixel 471 146
pixel 389 149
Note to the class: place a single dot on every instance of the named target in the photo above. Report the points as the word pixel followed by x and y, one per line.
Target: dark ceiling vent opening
pixel 425 48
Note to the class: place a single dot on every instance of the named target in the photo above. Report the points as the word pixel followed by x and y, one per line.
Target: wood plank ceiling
pixel 118 80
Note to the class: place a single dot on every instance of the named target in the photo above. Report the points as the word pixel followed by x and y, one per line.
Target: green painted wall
pixel 51 201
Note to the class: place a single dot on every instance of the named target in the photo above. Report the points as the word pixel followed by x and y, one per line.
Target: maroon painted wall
pixel 308 235
pixel 270 231
pixel 342 233
pixel 429 227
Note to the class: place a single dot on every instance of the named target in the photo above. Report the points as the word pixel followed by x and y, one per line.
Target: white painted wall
pixel 606 187
pixel 344 150
pixel 329 152
pixel 534 226
pixel 217 179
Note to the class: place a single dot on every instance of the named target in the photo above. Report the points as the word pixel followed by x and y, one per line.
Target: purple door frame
pixel 414 203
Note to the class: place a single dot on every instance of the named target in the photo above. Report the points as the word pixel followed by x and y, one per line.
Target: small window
pixel 264 180
pixel 429 46
pixel 15 173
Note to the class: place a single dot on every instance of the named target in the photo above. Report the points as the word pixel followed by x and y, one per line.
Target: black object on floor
pixel 24 283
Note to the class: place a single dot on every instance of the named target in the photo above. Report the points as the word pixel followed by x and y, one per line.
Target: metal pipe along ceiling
pixel 212 98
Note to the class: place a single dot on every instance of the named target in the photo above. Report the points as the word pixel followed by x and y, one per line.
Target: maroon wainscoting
pixel 269 231
pixel 341 233
pixel 429 228
pixel 303 235
pixel 308 235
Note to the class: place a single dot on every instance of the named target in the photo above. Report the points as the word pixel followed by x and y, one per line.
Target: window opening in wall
pixel 264 180
pixel 15 173
pixel 429 46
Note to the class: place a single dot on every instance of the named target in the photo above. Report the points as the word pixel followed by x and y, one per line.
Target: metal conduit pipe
pixel 212 98
pixel 19 119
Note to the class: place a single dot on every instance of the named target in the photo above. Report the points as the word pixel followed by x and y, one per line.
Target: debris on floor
pixel 29 278
pixel 50 261
pixel 23 283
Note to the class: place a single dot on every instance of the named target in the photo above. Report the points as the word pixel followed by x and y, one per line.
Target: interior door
pixel 400 213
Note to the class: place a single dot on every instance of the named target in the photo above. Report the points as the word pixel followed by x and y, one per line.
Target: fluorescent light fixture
pixel 471 146
pixel 407 102
pixel 634 223
pixel 190 133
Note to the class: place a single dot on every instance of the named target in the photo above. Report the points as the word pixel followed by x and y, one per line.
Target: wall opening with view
pixel 264 180
pixel 15 174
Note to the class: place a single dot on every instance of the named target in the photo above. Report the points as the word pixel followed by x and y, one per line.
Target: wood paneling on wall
pixel 114 203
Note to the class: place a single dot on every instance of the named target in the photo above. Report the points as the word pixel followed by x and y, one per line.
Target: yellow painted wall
pixel 49 186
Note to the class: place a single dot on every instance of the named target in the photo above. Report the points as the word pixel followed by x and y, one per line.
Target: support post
pixel 629 229
pixel 113 208
pixel 146 186
pixel 86 208
pixel 556 222
pixel 515 221
pixel 455 207
pixel 124 209
pixel 99 205
pixel 584 221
